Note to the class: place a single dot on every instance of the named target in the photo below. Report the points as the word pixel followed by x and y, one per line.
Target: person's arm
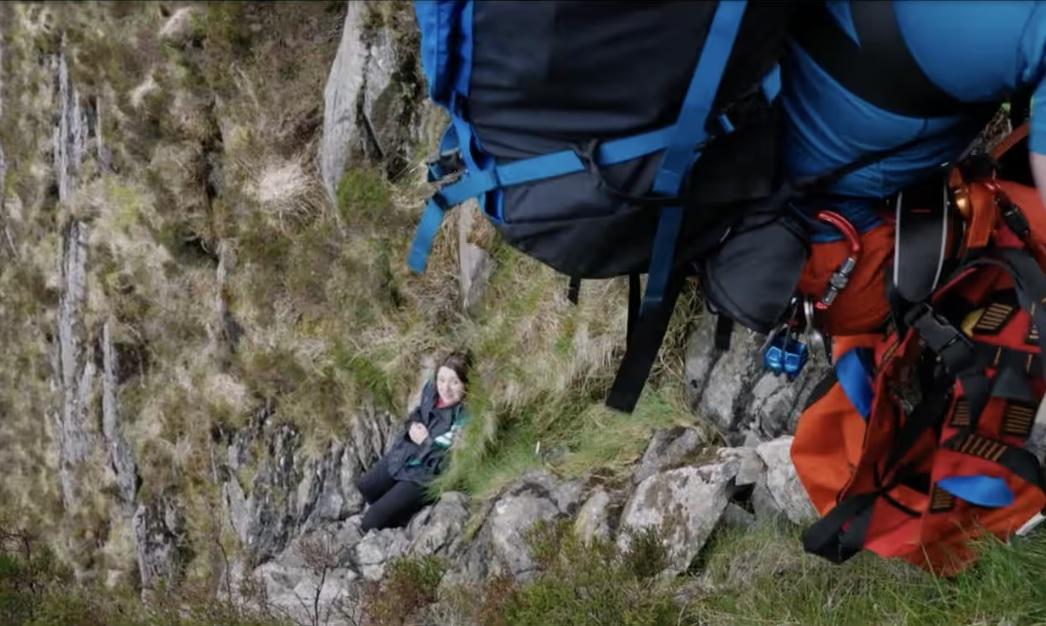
pixel 1033 72
pixel 413 418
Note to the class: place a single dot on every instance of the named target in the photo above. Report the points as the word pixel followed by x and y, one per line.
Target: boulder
pixel 377 548
pixel 179 27
pixel 733 391
pixel 341 98
pixel 781 483
pixel 439 529
pixel 475 264
pixel 502 545
pixel 668 448
pixel 593 519
pixel 683 505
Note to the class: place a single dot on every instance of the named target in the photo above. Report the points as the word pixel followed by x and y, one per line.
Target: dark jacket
pixel 407 460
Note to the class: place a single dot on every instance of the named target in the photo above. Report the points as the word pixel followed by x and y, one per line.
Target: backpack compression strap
pixel 663 282
pixel 476 183
pixel 689 133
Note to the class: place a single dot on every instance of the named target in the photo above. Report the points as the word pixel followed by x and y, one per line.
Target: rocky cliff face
pixel 207 342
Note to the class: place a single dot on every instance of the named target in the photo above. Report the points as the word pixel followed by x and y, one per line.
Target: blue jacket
pixel 976 52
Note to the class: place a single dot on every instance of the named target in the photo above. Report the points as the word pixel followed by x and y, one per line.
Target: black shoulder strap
pixel 724 328
pixel 920 245
pixel 880 69
pixel 574 290
pixel 840 534
pixel 645 336
pixel 635 297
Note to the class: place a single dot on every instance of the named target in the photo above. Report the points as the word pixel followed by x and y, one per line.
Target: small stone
pixel 593 520
pixel 782 482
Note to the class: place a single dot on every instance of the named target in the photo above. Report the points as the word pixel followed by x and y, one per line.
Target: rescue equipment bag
pixel 918 441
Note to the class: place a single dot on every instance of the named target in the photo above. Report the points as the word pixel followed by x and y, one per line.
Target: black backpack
pixel 617 138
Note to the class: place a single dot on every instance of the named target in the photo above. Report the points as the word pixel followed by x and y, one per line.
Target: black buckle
pixel 1014 218
pixel 955 349
pixel 445 164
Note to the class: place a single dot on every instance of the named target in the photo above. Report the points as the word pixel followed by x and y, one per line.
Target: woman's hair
pixel 459 362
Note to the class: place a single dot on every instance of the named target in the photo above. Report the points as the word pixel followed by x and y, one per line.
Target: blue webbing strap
pixel 541 167
pixel 663 284
pixel 690 132
pixel 448 144
pixel 987 491
pixel 855 378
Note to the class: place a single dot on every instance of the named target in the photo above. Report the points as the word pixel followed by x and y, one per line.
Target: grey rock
pixel 320 495
pixel 439 528
pixel 668 448
pixel 509 522
pixel 736 517
pixel 74 370
pixel 69 137
pixel 236 508
pixel 593 520
pixel 158 528
pixel 272 505
pixel 379 93
pixel 121 459
pixel 292 592
pixel 502 545
pixel 683 505
pixel 178 29
pixel 475 265
pixel 732 390
pixel 782 483
pixel 377 548
pixel 567 496
pixel 763 503
pixel 371 101
pixel 751 470
pixel 342 98
pixel 292 493
pixel 3 174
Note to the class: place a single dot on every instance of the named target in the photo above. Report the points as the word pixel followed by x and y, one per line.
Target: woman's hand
pixel 418 433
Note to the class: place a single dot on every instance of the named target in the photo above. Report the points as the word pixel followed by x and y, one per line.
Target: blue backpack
pixel 578 125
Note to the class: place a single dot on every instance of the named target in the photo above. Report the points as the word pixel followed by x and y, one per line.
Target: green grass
pixel 754 577
pixel 762 577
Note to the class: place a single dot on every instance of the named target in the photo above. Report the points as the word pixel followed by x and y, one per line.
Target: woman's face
pixel 449 386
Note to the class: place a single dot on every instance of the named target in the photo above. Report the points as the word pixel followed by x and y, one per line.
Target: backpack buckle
pixel 447 163
pixel 953 347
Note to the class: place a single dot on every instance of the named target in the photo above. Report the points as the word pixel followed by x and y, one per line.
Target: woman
pixel 395 487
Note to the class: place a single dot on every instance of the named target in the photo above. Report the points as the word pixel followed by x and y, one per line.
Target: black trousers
pixel 392 502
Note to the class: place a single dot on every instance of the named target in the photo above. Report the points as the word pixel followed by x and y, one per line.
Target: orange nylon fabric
pixel 837 454
pixel 862 306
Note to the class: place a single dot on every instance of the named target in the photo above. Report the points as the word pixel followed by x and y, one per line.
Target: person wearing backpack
pixel 917 441
pixel 914 83
pixel 395 487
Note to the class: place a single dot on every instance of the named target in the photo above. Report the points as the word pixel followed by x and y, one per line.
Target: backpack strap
pixel 635 295
pixel 878 67
pixel 840 534
pixel 477 182
pixel 646 336
pixel 724 329
pixel 664 283
pixel 689 133
pixel 574 290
